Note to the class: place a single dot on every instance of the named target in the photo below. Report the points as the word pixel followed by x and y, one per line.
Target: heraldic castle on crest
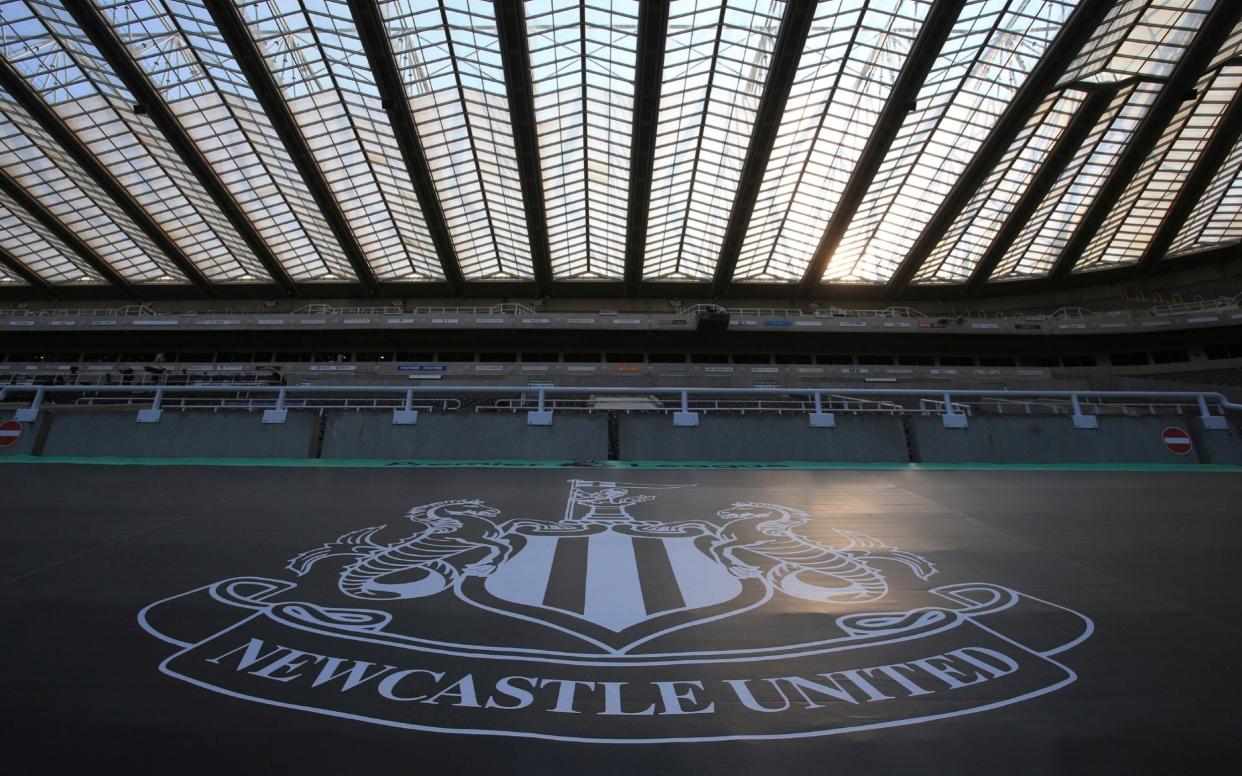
pixel 614 595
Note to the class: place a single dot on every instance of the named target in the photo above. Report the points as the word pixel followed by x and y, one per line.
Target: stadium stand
pixel 705 386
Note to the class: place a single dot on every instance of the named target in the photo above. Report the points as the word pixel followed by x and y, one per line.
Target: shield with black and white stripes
pixel 616 587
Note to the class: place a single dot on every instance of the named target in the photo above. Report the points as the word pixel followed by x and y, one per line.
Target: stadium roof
pixel 221 148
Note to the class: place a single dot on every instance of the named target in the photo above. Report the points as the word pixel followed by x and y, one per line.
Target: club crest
pixel 615 608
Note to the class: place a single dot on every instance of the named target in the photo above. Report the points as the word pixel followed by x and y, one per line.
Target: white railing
pixel 793 312
pixel 1199 305
pixel 508 308
pixel 127 311
pixel 327 309
pixel 819 403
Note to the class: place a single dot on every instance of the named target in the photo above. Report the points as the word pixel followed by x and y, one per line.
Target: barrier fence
pixel 685 404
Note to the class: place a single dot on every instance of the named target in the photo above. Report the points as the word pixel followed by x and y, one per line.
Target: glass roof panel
pixel 39 250
pixel 582 57
pixel 582 66
pixel 1217 217
pixel 1127 231
pixel 1143 38
pixel 448 54
pixel 971 236
pixel 315 54
pixel 1058 215
pixel 853 55
pixel 991 50
pixel 42 167
pixel 59 63
pixel 7 279
pixel 715 68
pixel 183 55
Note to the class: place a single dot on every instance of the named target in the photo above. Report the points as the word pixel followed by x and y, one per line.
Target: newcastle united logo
pixel 612 624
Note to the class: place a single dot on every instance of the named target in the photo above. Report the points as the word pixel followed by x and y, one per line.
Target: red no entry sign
pixel 1177 440
pixel 10 432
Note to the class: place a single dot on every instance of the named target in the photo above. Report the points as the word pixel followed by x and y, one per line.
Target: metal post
pixel 152 415
pixel 31 414
pixel 819 418
pixel 685 418
pixel 1210 421
pixel 952 419
pixel 280 414
pixel 406 416
pixel 539 416
pixel 1081 420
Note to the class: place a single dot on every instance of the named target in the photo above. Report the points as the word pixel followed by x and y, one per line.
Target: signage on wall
pixel 1177 440
pixel 10 433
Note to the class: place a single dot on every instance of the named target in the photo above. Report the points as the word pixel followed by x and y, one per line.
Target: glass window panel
pixel 715 67
pixel 1217 216
pixel 970 237
pixel 448 54
pixel 316 56
pixel 853 55
pixel 179 48
pixel 43 168
pixel 989 53
pixel 1127 231
pixel 582 66
pixel 39 250
pixel 1138 38
pixel 60 64
pixel 1037 247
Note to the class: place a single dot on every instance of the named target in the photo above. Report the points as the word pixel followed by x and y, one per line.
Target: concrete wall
pixel 181 434
pixel 466 437
pixel 584 437
pixel 1216 446
pixel 1047 439
pixel 761 438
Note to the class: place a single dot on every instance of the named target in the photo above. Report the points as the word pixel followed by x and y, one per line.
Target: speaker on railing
pixel 713 320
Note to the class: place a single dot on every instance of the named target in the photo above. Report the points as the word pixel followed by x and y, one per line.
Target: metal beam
pixel 51 123
pixel 1211 36
pixel 65 235
pixel 1062 153
pixel 236 36
pixel 1197 182
pixel 648 79
pixel 1074 33
pixel 15 267
pixel 515 54
pixel 383 61
pixel 900 102
pixel 104 38
pixel 790 41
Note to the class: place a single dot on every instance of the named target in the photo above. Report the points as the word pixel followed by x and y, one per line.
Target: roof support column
pixel 515 54
pixel 790 41
pixel 10 263
pixel 1081 125
pixel 237 37
pixel 648 79
pixel 1211 36
pixel 66 235
pixel 383 61
pixel 96 27
pixel 1076 31
pixel 927 45
pixel 1200 177
pixel 51 123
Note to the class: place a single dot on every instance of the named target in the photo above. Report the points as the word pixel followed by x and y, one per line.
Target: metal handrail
pixel 949 408
pixel 1200 305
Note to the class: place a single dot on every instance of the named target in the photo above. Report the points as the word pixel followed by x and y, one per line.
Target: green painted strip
pixel 363 463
